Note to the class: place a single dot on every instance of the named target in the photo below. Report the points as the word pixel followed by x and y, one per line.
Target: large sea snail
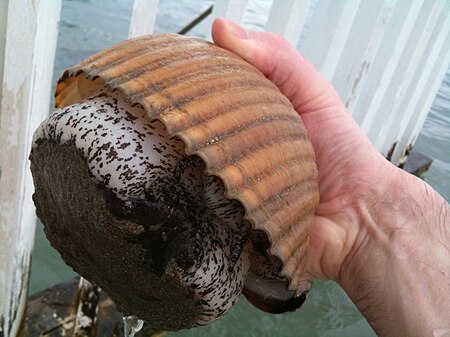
pixel 172 174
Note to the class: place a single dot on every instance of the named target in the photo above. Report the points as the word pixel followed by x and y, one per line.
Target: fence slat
pixel 287 18
pixel 328 32
pixel 431 72
pixel 27 53
pixel 378 42
pixel 3 24
pixel 367 109
pixel 143 17
pixel 352 60
pixel 420 45
pixel 233 10
pixel 402 76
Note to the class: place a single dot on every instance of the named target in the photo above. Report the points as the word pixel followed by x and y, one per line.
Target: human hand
pixel 379 232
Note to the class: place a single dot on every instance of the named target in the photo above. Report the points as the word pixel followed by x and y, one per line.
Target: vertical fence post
pixel 328 32
pixel 27 51
pixel 418 96
pixel 287 18
pixel 233 10
pixel 143 17
pixel 368 108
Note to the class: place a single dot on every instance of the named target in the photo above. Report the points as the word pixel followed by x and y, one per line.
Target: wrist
pixel 401 249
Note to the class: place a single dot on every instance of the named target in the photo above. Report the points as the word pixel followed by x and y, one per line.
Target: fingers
pixel 281 63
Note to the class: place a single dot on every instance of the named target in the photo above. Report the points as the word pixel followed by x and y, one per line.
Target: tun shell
pixel 227 113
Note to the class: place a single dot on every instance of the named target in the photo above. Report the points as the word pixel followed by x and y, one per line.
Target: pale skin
pixel 382 234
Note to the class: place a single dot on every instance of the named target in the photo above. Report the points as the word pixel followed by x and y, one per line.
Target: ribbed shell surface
pixel 231 116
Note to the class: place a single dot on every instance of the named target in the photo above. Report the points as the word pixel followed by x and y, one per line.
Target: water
pixel 88 26
pixel 434 140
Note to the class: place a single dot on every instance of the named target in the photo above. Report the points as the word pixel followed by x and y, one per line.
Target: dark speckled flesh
pixel 144 177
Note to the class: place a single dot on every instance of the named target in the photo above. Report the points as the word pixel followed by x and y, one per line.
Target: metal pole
pixel 196 21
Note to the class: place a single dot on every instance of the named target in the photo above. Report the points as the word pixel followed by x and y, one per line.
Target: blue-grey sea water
pixel 88 26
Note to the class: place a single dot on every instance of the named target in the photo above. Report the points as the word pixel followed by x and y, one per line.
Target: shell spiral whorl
pixel 185 150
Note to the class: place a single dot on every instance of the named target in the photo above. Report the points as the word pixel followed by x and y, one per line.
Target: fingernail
pixel 238 31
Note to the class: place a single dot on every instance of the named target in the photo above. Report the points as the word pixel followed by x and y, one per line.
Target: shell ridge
pixel 240 117
pixel 267 212
pixel 175 74
pixel 275 162
pixel 288 187
pixel 156 84
pixel 183 102
pixel 111 57
pixel 248 128
pixel 120 52
pixel 236 154
pixel 144 60
pixel 200 113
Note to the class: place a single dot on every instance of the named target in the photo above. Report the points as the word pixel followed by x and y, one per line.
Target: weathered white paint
pixel 328 32
pixel 367 107
pixel 143 17
pixel 422 93
pixel 358 76
pixel 287 18
pixel 3 22
pixel 360 45
pixel 411 74
pixel 414 46
pixel 27 52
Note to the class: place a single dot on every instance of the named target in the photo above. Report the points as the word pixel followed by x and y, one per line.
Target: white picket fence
pixel 386 58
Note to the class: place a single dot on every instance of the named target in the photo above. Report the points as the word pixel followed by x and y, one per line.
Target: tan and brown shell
pixel 231 116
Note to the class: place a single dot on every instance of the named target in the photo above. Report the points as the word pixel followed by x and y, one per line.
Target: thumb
pixel 297 78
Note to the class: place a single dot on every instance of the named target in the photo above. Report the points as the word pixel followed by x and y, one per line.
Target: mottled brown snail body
pixel 245 132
